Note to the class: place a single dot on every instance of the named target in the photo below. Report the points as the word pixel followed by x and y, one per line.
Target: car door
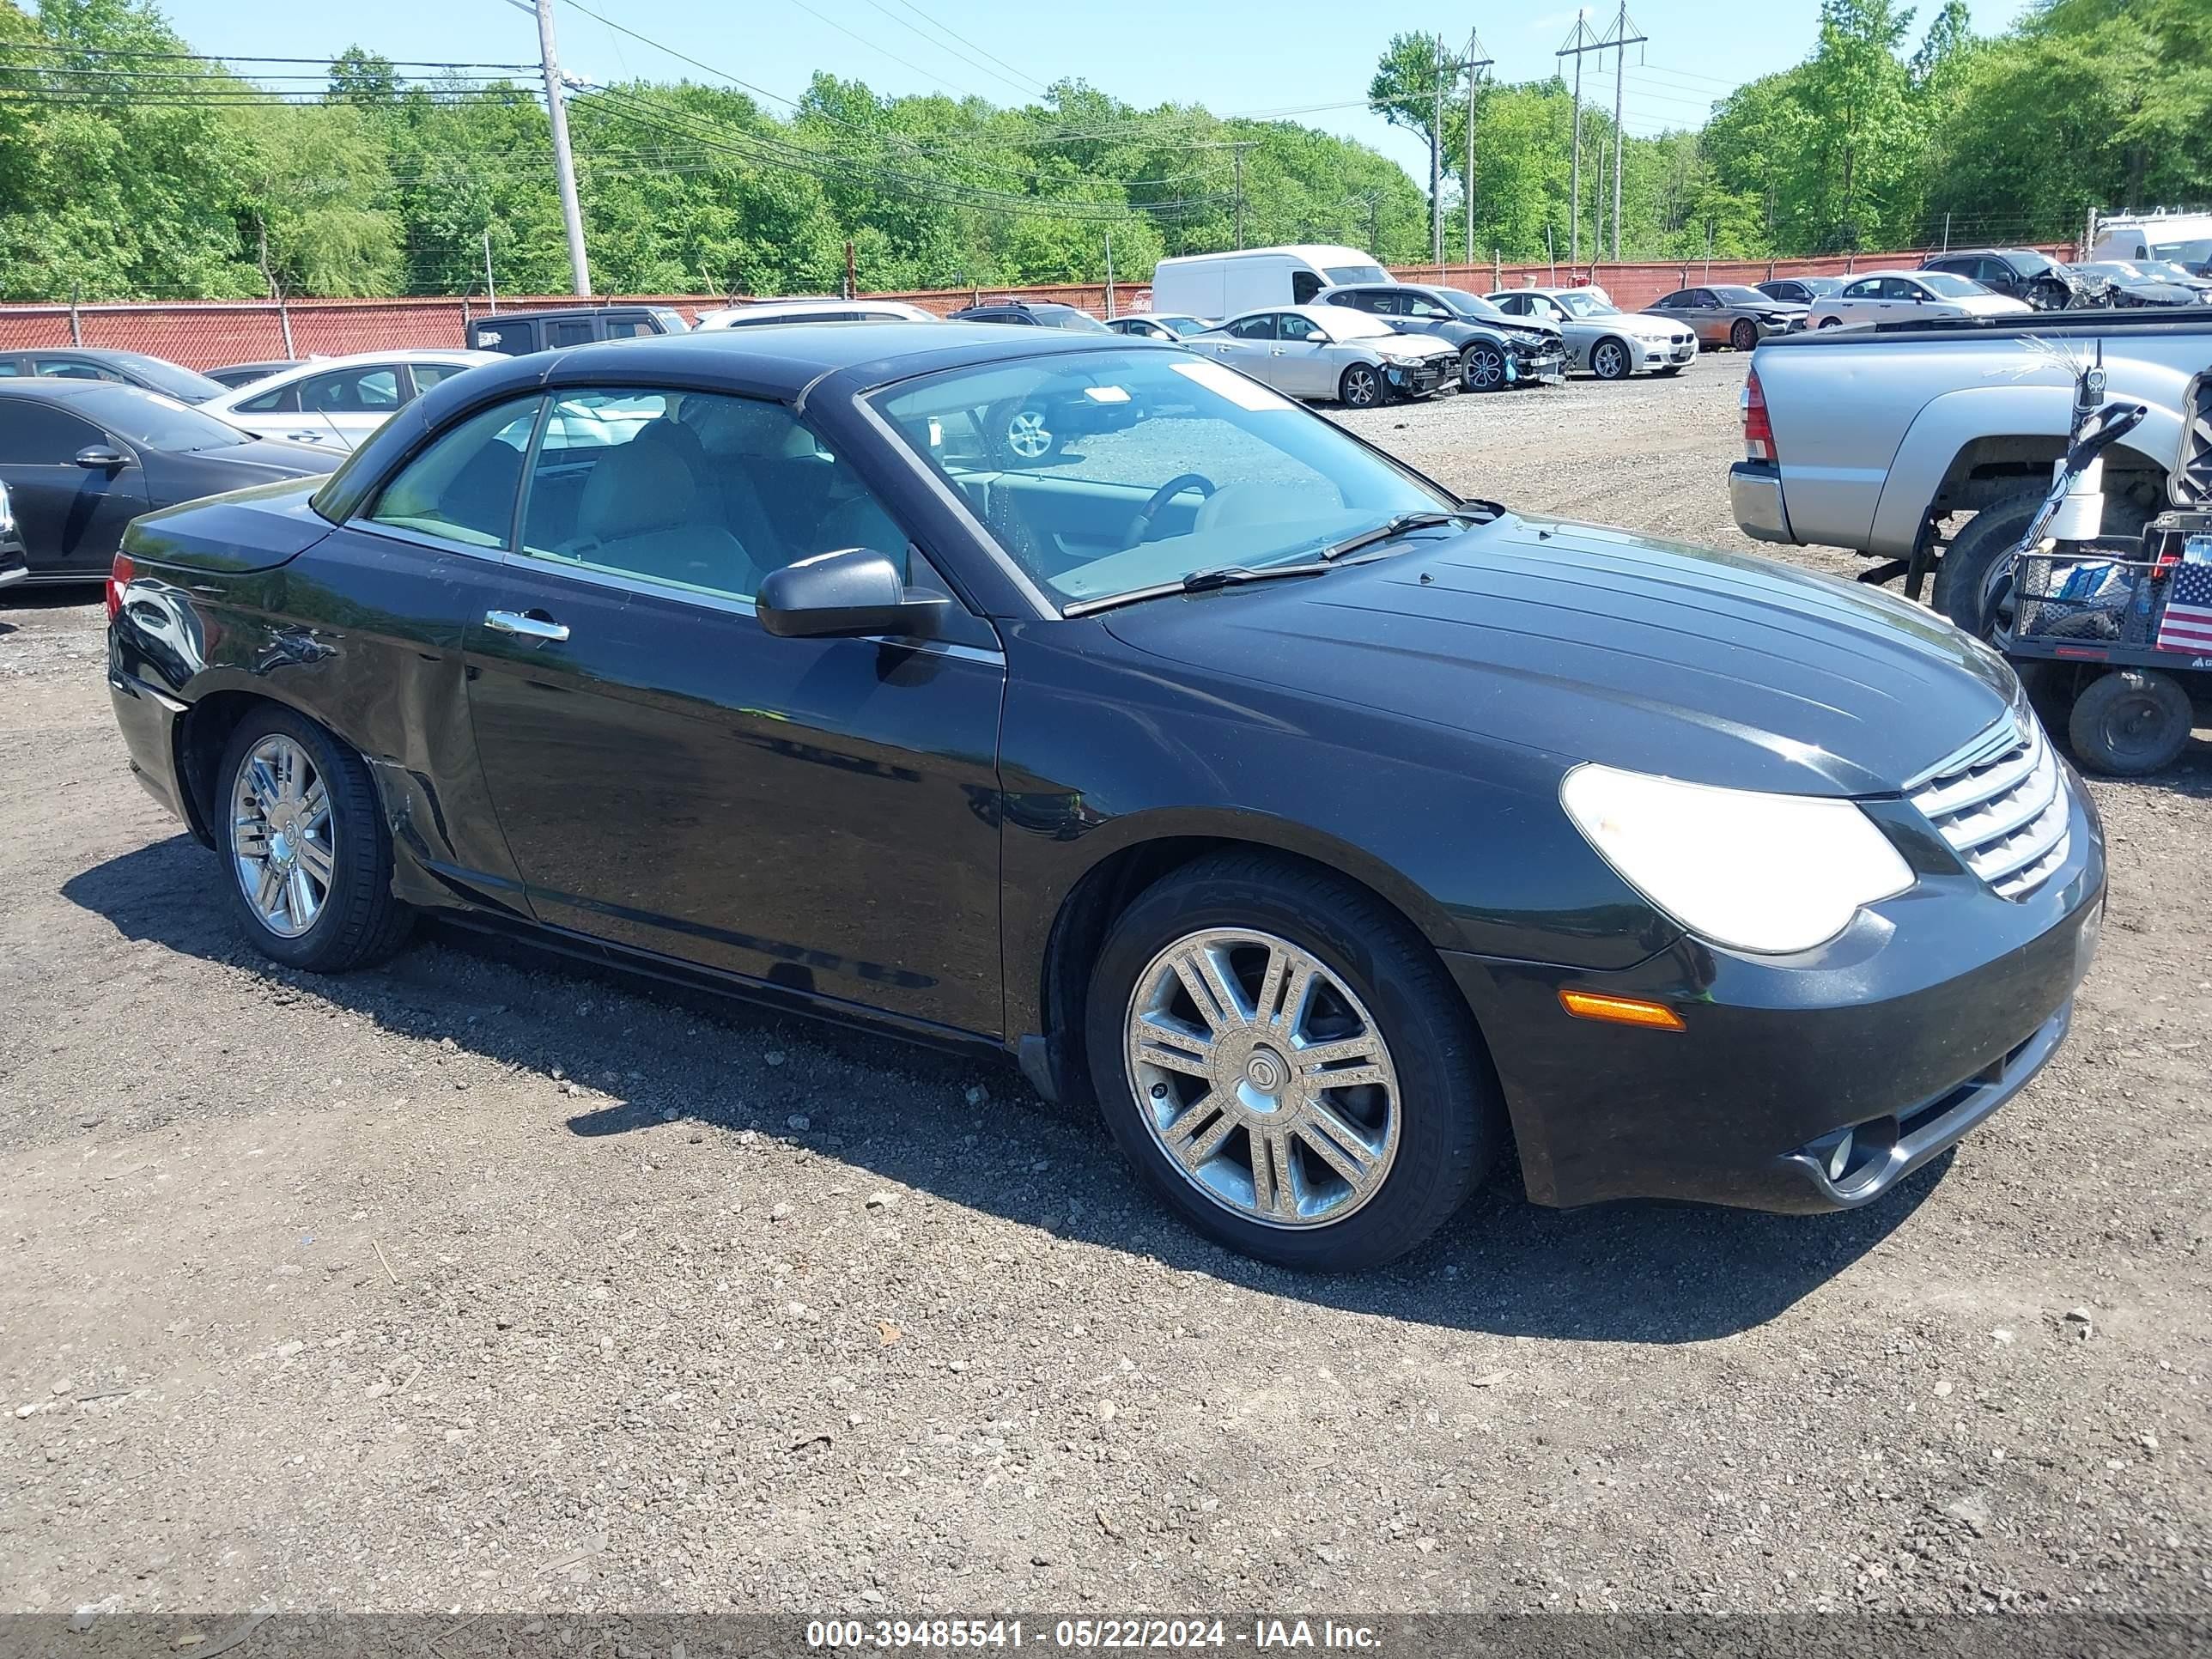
pixel 1707 317
pixel 1859 301
pixel 70 513
pixel 816 814
pixel 1304 357
pixel 1248 343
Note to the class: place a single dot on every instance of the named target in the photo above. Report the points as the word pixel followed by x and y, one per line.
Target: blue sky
pixel 1311 56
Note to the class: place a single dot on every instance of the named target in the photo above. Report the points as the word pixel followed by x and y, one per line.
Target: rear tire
pixel 323 827
pixel 1966 563
pixel 2130 722
pixel 1430 1125
pixel 1609 360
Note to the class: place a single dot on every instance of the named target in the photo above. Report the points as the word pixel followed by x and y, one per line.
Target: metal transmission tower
pixel 1618 38
pixel 1478 60
pixel 1581 41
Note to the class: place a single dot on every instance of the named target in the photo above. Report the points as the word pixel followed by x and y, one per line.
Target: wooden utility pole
pixel 1620 39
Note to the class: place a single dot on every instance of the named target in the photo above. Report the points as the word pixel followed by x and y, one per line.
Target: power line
pixel 1022 86
pixel 208 57
pixel 948 29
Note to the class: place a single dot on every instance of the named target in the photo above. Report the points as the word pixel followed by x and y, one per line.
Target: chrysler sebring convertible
pixel 1339 837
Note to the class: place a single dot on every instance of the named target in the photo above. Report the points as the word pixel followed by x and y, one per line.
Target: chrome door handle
pixel 525 627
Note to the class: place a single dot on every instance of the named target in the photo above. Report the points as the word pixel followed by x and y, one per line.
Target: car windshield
pixel 1743 296
pixel 154 422
pixel 2187 253
pixel 1159 465
pixel 1945 285
pixel 1076 322
pixel 1468 305
pixel 2165 270
pixel 1345 276
pixel 2028 263
pixel 185 385
pixel 1577 302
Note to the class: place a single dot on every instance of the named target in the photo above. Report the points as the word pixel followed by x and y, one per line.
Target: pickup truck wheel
pixel 1966 563
pixel 1609 360
pixel 2130 722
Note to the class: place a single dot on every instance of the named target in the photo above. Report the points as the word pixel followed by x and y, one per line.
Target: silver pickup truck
pixel 1877 438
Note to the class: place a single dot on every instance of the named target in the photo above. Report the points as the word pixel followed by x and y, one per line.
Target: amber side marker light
pixel 1620 1010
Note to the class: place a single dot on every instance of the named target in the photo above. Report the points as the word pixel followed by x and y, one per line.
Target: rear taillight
pixel 1758 430
pixel 118 578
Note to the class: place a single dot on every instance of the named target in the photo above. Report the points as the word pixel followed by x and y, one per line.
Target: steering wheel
pixel 1140 527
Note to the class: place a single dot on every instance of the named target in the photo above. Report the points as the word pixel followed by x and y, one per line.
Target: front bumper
pixel 1926 1015
pixel 1419 380
pixel 1669 353
pixel 1755 498
pixel 1541 367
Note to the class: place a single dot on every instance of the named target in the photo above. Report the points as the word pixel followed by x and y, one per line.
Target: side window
pixel 1869 289
pixel 352 392
pixel 1903 288
pixel 1262 327
pixel 1703 299
pixel 696 490
pixel 1294 327
pixel 62 368
pixel 35 434
pixel 284 400
pixel 428 374
pixel 568 333
pixel 462 487
pixel 1674 302
pixel 629 328
pixel 7 369
pixel 1304 284
pixel 1428 310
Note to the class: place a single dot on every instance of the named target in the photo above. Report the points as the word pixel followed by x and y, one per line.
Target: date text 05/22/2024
pixel 1147 1634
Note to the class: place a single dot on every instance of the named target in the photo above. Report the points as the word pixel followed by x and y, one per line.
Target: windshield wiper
pixel 1198 581
pixel 1404 523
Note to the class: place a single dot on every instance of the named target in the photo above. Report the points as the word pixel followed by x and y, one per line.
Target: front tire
pixel 309 853
pixel 2130 722
pixel 1362 386
pixel 1743 334
pixel 1482 368
pixel 1609 360
pixel 1966 563
pixel 1223 1001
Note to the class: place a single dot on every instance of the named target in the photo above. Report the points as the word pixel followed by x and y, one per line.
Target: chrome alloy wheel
pixel 1265 1080
pixel 1610 360
pixel 283 841
pixel 1363 386
pixel 1029 436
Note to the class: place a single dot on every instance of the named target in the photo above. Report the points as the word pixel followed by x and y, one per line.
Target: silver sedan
pixel 1327 351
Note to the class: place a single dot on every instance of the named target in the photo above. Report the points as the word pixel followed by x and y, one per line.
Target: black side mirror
pixel 851 593
pixel 100 457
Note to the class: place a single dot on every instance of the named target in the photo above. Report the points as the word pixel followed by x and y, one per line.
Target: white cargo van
pixel 2184 238
pixel 1219 285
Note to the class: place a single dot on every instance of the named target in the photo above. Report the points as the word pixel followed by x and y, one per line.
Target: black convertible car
pixel 1318 824
pixel 81 459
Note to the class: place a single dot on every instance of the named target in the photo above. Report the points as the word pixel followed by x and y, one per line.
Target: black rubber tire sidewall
pixel 1966 562
pixel 1344 387
pixel 1467 367
pixel 2084 726
pixel 1451 1116
pixel 1620 348
pixel 1737 330
pixel 362 921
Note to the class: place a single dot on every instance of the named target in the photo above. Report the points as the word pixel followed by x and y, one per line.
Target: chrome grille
pixel 2002 807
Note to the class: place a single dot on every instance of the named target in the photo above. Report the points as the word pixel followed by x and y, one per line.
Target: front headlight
pixel 1771 875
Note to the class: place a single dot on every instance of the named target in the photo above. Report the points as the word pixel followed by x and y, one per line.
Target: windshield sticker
pixel 1227 382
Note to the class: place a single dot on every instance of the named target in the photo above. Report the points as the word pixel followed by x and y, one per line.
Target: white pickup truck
pixel 1877 438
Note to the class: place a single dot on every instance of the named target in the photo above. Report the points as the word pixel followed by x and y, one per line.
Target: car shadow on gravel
pixel 910 1117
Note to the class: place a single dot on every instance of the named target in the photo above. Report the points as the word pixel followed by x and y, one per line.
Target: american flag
pixel 2187 623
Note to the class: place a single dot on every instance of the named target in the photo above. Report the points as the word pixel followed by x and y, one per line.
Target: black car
pixel 1798 290
pixel 1030 314
pixel 135 368
pixel 235 375
pixel 1333 834
pixel 1495 350
pixel 2129 286
pixel 2019 273
pixel 81 459
pixel 14 566
pixel 518 333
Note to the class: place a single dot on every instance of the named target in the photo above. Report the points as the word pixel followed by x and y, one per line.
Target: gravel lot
pixel 475 1283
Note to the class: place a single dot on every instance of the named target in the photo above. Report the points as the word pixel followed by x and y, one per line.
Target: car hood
pixel 1991 305
pixel 1594 644
pixel 1637 323
pixel 1410 347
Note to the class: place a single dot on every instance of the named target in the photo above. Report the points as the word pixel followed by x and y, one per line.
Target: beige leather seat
pixel 646 511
